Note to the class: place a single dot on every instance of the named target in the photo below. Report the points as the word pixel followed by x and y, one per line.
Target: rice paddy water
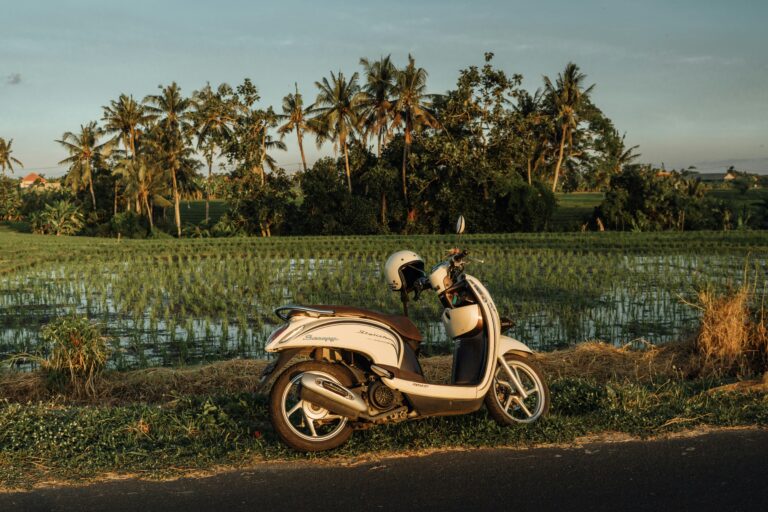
pixel 174 302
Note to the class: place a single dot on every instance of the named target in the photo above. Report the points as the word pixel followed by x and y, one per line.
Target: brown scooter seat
pixel 399 323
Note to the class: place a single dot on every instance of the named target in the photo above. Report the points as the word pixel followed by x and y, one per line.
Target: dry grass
pixel 733 337
pixel 603 362
pixel 594 360
pixel 151 385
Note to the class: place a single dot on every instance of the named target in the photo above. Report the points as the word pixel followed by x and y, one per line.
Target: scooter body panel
pixel 385 347
pixel 451 393
pixel 374 339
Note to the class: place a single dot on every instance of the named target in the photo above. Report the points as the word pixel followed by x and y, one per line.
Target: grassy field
pixel 171 302
pixel 193 212
pixel 574 209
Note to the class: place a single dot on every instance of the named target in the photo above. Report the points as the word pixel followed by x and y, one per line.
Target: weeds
pixel 44 440
pixel 74 349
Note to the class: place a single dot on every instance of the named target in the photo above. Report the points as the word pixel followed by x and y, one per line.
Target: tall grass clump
pixel 733 336
pixel 74 349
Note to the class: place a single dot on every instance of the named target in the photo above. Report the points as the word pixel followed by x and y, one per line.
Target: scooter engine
pixel 383 397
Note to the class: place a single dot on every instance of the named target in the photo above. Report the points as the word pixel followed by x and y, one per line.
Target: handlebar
pixel 460 255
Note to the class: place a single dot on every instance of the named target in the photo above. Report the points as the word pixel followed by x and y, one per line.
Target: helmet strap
pixel 404 300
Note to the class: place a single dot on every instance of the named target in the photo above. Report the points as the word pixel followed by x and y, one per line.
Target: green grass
pixel 45 440
pixel 752 200
pixel 574 209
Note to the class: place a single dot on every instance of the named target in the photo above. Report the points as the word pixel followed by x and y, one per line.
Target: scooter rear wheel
pixel 506 404
pixel 300 424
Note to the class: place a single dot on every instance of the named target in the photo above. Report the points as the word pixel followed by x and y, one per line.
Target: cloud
pixel 13 79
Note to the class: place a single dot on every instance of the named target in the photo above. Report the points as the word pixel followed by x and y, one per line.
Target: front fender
pixel 508 344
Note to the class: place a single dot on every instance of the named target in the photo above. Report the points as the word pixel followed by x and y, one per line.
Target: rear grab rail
pixel 285 312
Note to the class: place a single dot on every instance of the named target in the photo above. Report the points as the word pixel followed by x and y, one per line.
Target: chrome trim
pixel 313 312
pixel 381 372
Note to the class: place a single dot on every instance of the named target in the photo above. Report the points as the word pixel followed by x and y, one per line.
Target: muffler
pixel 326 393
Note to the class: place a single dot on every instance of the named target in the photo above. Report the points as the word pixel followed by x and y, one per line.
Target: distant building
pixel 37 180
pixel 715 177
pixel 32 178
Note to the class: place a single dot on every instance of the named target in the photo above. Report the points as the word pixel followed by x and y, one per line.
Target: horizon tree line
pixel 154 148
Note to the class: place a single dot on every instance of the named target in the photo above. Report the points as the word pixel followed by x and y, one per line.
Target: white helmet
pixel 402 269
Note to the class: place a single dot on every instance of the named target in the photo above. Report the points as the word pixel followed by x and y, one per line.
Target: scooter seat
pixel 399 323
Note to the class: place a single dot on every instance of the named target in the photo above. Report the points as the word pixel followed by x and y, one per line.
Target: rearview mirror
pixel 460 225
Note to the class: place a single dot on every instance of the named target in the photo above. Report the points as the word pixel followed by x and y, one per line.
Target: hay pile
pixel 598 361
pixel 150 385
pixel 594 360
pixel 733 337
pixel 603 362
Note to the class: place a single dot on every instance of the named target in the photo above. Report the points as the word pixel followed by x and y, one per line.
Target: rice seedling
pixel 170 302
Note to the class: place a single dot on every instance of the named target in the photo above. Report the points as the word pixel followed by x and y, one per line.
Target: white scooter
pixel 360 367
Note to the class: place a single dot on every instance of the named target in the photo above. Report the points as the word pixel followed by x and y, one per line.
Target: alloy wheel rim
pixel 518 409
pixel 307 420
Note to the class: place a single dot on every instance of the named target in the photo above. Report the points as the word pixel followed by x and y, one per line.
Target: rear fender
pixel 276 366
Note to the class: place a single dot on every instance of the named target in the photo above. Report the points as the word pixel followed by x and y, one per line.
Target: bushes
pixel 59 218
pixel 525 208
pixel 10 199
pixel 75 348
pixel 128 224
pixel 642 200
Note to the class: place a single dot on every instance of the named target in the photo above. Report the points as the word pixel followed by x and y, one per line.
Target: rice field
pixel 176 302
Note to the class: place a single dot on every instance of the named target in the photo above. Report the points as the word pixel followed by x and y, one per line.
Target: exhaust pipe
pixel 326 393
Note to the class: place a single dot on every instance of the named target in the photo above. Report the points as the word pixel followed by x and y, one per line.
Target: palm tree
pixel 411 108
pixel 337 113
pixel 125 118
pixel 621 155
pixel 6 160
pixel 173 113
pixel 532 128
pixel 295 116
pixel 85 152
pixel 568 98
pixel 376 103
pixel 213 117
pixel 144 183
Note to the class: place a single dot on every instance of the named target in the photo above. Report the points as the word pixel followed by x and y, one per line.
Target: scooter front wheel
pixel 303 425
pixel 519 393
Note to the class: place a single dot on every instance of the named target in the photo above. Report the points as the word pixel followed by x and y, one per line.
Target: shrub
pixel 128 224
pixel 641 200
pixel 59 218
pixel 75 348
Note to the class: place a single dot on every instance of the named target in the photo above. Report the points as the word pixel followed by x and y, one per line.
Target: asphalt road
pixel 723 471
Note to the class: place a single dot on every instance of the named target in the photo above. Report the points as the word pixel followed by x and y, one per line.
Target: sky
pixel 687 80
